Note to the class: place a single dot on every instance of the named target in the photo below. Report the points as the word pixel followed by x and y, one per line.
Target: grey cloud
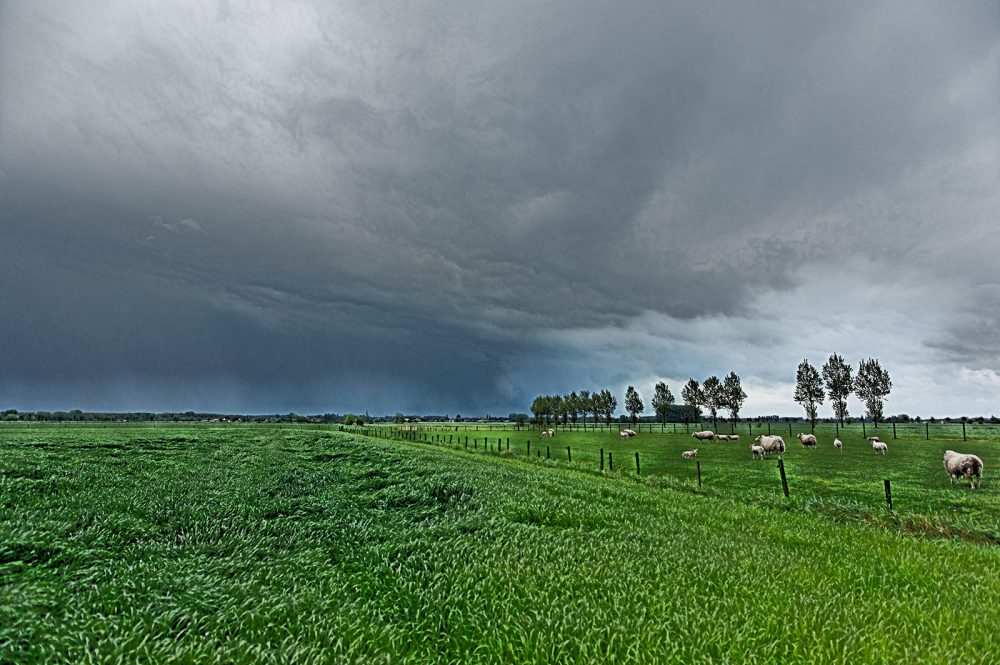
pixel 184 225
pixel 481 182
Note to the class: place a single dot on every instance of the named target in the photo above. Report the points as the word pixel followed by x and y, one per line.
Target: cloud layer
pixel 427 206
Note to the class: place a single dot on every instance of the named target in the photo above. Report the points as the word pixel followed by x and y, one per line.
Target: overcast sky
pixel 453 206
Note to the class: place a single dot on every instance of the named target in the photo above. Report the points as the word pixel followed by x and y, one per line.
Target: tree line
pixel 713 394
pixel 837 381
pixel 571 407
pixel 871 385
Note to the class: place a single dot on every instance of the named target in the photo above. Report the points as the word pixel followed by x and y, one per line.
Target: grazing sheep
pixel 548 432
pixel 771 443
pixel 623 434
pixel 880 447
pixel 630 432
pixel 838 444
pixel 734 437
pixel 961 465
pixel 723 437
pixel 758 452
pixel 807 440
pixel 704 435
pixel 689 454
pixel 873 439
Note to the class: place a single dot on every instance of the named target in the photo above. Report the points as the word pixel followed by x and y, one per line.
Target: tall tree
pixel 556 407
pixel 839 384
pixel 663 400
pixel 597 406
pixel 872 386
pixel 573 406
pixel 693 396
pixel 610 403
pixel 538 409
pixel 733 396
pixel 585 405
pixel 712 390
pixel 633 403
pixel 808 390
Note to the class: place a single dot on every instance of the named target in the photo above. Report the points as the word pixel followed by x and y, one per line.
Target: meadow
pixel 846 485
pixel 267 544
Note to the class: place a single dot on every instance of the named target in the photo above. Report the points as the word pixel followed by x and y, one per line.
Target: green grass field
pixel 238 544
pixel 847 484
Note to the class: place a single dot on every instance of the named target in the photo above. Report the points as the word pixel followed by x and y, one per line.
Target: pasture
pixel 844 485
pixel 265 544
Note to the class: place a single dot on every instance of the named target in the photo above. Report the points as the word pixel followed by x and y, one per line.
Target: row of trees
pixel 565 408
pixel 871 384
pixel 713 394
pixel 837 381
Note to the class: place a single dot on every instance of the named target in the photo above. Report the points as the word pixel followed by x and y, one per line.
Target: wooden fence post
pixel 927 430
pixel 637 462
pixel 611 461
pixel 602 459
pixel 888 495
pixel 963 431
pixel 784 479
pixel 569 455
pixel 698 462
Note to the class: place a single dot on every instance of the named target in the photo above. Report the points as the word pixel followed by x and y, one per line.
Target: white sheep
pixel 873 439
pixel 807 440
pixel 704 435
pixel 630 432
pixel 690 454
pixel 758 452
pixel 771 443
pixel 734 437
pixel 722 437
pixel 548 432
pixel 838 444
pixel 623 434
pixel 961 465
pixel 880 447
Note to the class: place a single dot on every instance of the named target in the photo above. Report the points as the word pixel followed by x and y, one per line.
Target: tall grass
pixel 270 545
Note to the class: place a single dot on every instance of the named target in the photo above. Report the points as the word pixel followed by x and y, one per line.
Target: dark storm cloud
pixel 458 205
